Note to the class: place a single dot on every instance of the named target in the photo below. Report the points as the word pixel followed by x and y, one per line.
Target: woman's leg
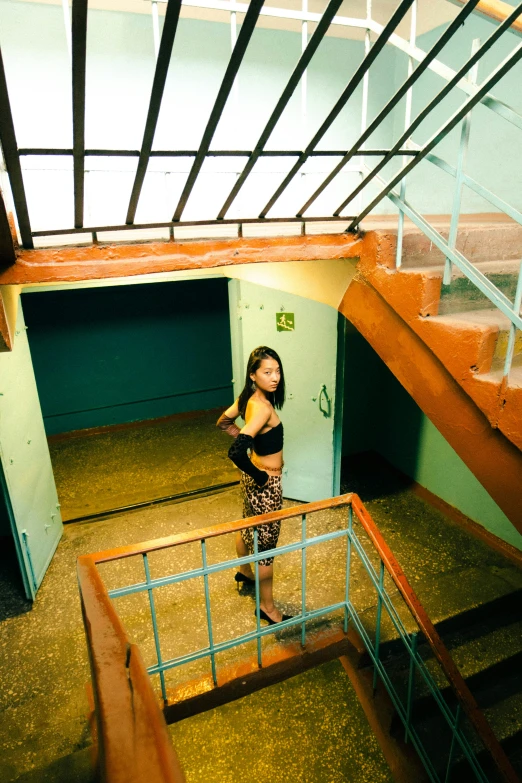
pixel 242 551
pixel 266 596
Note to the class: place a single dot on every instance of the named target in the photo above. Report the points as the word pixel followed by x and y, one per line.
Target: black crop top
pixel 270 442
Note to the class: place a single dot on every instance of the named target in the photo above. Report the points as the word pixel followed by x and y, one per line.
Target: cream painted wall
pixel 10 295
pixel 321 281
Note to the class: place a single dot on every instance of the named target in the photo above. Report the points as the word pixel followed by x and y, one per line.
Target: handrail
pixel 218 530
pixel 133 742
pixel 87 564
pixel 494 9
pixel 440 651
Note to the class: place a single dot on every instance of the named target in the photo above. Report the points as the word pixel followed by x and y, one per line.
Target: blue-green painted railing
pixel 461 721
pixel 511 309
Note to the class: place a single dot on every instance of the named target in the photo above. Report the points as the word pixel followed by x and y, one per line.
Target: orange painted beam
pixel 66 264
pixel 491 457
pixel 133 740
pixel 280 662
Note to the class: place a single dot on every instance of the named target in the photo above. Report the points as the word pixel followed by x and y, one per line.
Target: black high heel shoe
pixel 239 577
pixel 264 616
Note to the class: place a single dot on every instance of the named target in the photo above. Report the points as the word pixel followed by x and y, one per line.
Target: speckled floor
pixel 288 732
pixel 43 661
pixel 137 463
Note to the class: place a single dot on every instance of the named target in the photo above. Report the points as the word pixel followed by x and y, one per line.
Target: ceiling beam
pixel 158 86
pixel 247 29
pixel 7 248
pixel 97 262
pixel 12 160
pixel 79 54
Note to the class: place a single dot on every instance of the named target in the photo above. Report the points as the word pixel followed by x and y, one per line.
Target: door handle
pixel 325 404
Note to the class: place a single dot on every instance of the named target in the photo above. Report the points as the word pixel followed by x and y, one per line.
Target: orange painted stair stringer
pixel 490 456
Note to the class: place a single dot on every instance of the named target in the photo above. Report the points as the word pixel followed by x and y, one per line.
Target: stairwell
pixel 450 342
pixel 480 623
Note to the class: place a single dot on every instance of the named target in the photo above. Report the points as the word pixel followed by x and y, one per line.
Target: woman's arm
pixel 227 419
pixel 257 416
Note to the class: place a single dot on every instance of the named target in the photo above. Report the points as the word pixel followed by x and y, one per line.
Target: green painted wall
pixel 380 415
pixel 125 353
pixel 491 138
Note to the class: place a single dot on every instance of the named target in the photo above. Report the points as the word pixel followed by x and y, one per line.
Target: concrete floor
pixel 132 464
pixel 43 661
pixel 310 728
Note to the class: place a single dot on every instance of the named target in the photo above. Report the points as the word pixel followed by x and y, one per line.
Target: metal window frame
pixel 79 62
pixel 369 58
pixel 476 96
pixel 12 161
pixel 246 32
pixel 400 93
pixel 168 36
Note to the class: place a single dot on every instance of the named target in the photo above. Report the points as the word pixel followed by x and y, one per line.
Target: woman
pixel 261 489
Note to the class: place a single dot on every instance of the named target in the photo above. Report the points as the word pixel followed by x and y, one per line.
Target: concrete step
pixel 478 242
pixel 486 645
pixel 462 295
pixel 490 329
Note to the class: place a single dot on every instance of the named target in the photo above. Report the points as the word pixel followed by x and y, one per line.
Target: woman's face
pixel 267 375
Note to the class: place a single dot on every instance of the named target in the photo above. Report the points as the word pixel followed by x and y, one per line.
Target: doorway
pixel 130 378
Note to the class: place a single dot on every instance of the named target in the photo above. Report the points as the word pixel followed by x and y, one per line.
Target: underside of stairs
pixel 462 339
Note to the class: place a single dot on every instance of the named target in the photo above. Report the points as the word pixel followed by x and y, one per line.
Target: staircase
pixel 486 644
pixel 480 623
pixel 452 340
pixel 458 322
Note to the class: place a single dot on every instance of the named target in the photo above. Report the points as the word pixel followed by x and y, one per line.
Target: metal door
pixel 27 478
pixel 305 335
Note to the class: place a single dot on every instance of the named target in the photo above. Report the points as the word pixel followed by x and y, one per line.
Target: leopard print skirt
pixel 260 500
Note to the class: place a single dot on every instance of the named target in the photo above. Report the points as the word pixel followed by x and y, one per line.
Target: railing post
pixel 303 579
pixel 207 604
pixel 461 160
pixel 378 623
pixel 258 605
pixel 348 562
pixel 411 684
pixel 407 121
pixel 452 746
pixel 512 328
pixel 154 624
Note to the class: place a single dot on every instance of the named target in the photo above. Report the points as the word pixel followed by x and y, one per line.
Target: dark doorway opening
pixel 130 380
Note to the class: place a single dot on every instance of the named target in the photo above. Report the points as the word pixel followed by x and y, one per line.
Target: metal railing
pixel 508 22
pixel 367 562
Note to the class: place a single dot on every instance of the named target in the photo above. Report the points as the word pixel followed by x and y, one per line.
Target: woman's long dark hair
pixel 277 398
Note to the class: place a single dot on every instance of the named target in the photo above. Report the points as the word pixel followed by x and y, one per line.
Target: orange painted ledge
pixel 122 260
pixel 491 457
pixel 282 660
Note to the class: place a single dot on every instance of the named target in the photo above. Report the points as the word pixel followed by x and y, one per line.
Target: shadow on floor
pixel 12 597
pixel 371 476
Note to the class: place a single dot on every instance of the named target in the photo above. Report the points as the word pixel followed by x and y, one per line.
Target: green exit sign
pixel 285 322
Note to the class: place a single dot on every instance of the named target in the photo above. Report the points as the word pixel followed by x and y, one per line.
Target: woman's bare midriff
pixel 272 463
